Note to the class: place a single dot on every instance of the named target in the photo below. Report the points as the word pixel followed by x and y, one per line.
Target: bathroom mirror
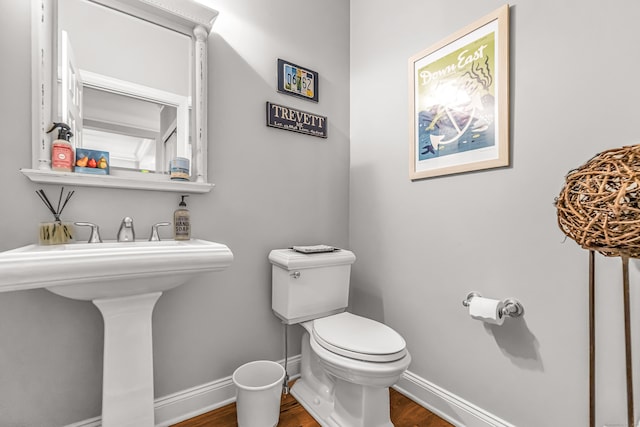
pixel 129 77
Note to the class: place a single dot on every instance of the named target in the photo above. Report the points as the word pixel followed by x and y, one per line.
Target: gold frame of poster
pixel 459 100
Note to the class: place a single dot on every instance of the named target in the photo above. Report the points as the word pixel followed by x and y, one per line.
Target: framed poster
pixel 459 100
pixel 297 81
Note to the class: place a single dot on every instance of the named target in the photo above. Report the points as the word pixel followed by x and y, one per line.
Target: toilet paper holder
pixel 512 307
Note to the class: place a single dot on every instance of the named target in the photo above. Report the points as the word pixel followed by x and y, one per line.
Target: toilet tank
pixel 309 286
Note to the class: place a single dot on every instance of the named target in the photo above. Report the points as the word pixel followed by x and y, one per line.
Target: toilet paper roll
pixel 486 309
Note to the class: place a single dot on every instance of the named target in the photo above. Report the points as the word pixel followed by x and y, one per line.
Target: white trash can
pixel 259 388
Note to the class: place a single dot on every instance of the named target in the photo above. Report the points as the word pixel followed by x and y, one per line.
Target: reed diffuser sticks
pixel 58 210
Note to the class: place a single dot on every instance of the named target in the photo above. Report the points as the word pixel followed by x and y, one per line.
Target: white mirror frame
pixel 184 16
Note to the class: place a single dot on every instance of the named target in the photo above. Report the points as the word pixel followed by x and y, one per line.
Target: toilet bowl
pixel 348 362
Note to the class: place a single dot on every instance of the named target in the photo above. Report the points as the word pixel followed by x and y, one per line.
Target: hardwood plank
pixel 293 414
pixel 407 413
pixel 404 413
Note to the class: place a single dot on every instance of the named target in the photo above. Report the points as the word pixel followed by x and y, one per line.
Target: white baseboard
pixel 91 422
pixel 446 405
pixel 198 400
pixel 195 401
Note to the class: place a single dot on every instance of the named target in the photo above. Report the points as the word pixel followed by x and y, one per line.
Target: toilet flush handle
pixel 295 274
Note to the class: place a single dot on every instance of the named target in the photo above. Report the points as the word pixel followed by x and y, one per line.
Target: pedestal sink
pixel 124 280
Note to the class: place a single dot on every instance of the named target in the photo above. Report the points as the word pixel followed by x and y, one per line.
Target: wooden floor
pixel 404 413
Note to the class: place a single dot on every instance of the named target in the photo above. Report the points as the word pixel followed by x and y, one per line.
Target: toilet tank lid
pixel 292 260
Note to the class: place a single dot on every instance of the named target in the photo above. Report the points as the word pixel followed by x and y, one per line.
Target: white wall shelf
pixel 114 181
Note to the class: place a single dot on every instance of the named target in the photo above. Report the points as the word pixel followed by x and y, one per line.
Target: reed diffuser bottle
pixel 56 232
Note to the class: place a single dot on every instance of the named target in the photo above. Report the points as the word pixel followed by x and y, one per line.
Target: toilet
pixel 348 361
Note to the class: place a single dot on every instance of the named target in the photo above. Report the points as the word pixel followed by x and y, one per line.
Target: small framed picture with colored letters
pixel 297 81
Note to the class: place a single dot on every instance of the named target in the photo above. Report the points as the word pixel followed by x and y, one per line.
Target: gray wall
pixel 273 189
pixel 422 246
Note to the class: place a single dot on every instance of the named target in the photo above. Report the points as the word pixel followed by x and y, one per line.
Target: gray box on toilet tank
pixel 308 286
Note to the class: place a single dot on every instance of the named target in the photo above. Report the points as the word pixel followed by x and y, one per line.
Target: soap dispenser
pixel 182 222
pixel 62 157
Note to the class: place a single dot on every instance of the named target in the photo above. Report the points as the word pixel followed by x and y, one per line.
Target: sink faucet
pixel 155 236
pixel 126 233
pixel 95 231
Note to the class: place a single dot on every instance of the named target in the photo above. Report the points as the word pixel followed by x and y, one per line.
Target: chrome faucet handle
pixel 95 231
pixel 126 232
pixel 154 231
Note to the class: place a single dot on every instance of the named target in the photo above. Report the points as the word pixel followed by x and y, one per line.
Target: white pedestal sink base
pixel 131 278
pixel 127 388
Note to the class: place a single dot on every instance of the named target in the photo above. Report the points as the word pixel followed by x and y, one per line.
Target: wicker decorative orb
pixel 598 206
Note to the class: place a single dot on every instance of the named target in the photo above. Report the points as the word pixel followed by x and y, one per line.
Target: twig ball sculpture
pixel 598 206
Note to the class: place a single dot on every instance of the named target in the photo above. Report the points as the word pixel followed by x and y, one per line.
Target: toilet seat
pixel 359 338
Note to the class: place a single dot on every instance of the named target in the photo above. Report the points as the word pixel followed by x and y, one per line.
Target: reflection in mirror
pixel 140 135
pixel 130 77
pixel 123 120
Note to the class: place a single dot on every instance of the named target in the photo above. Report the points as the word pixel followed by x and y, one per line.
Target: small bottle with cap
pixel 62 157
